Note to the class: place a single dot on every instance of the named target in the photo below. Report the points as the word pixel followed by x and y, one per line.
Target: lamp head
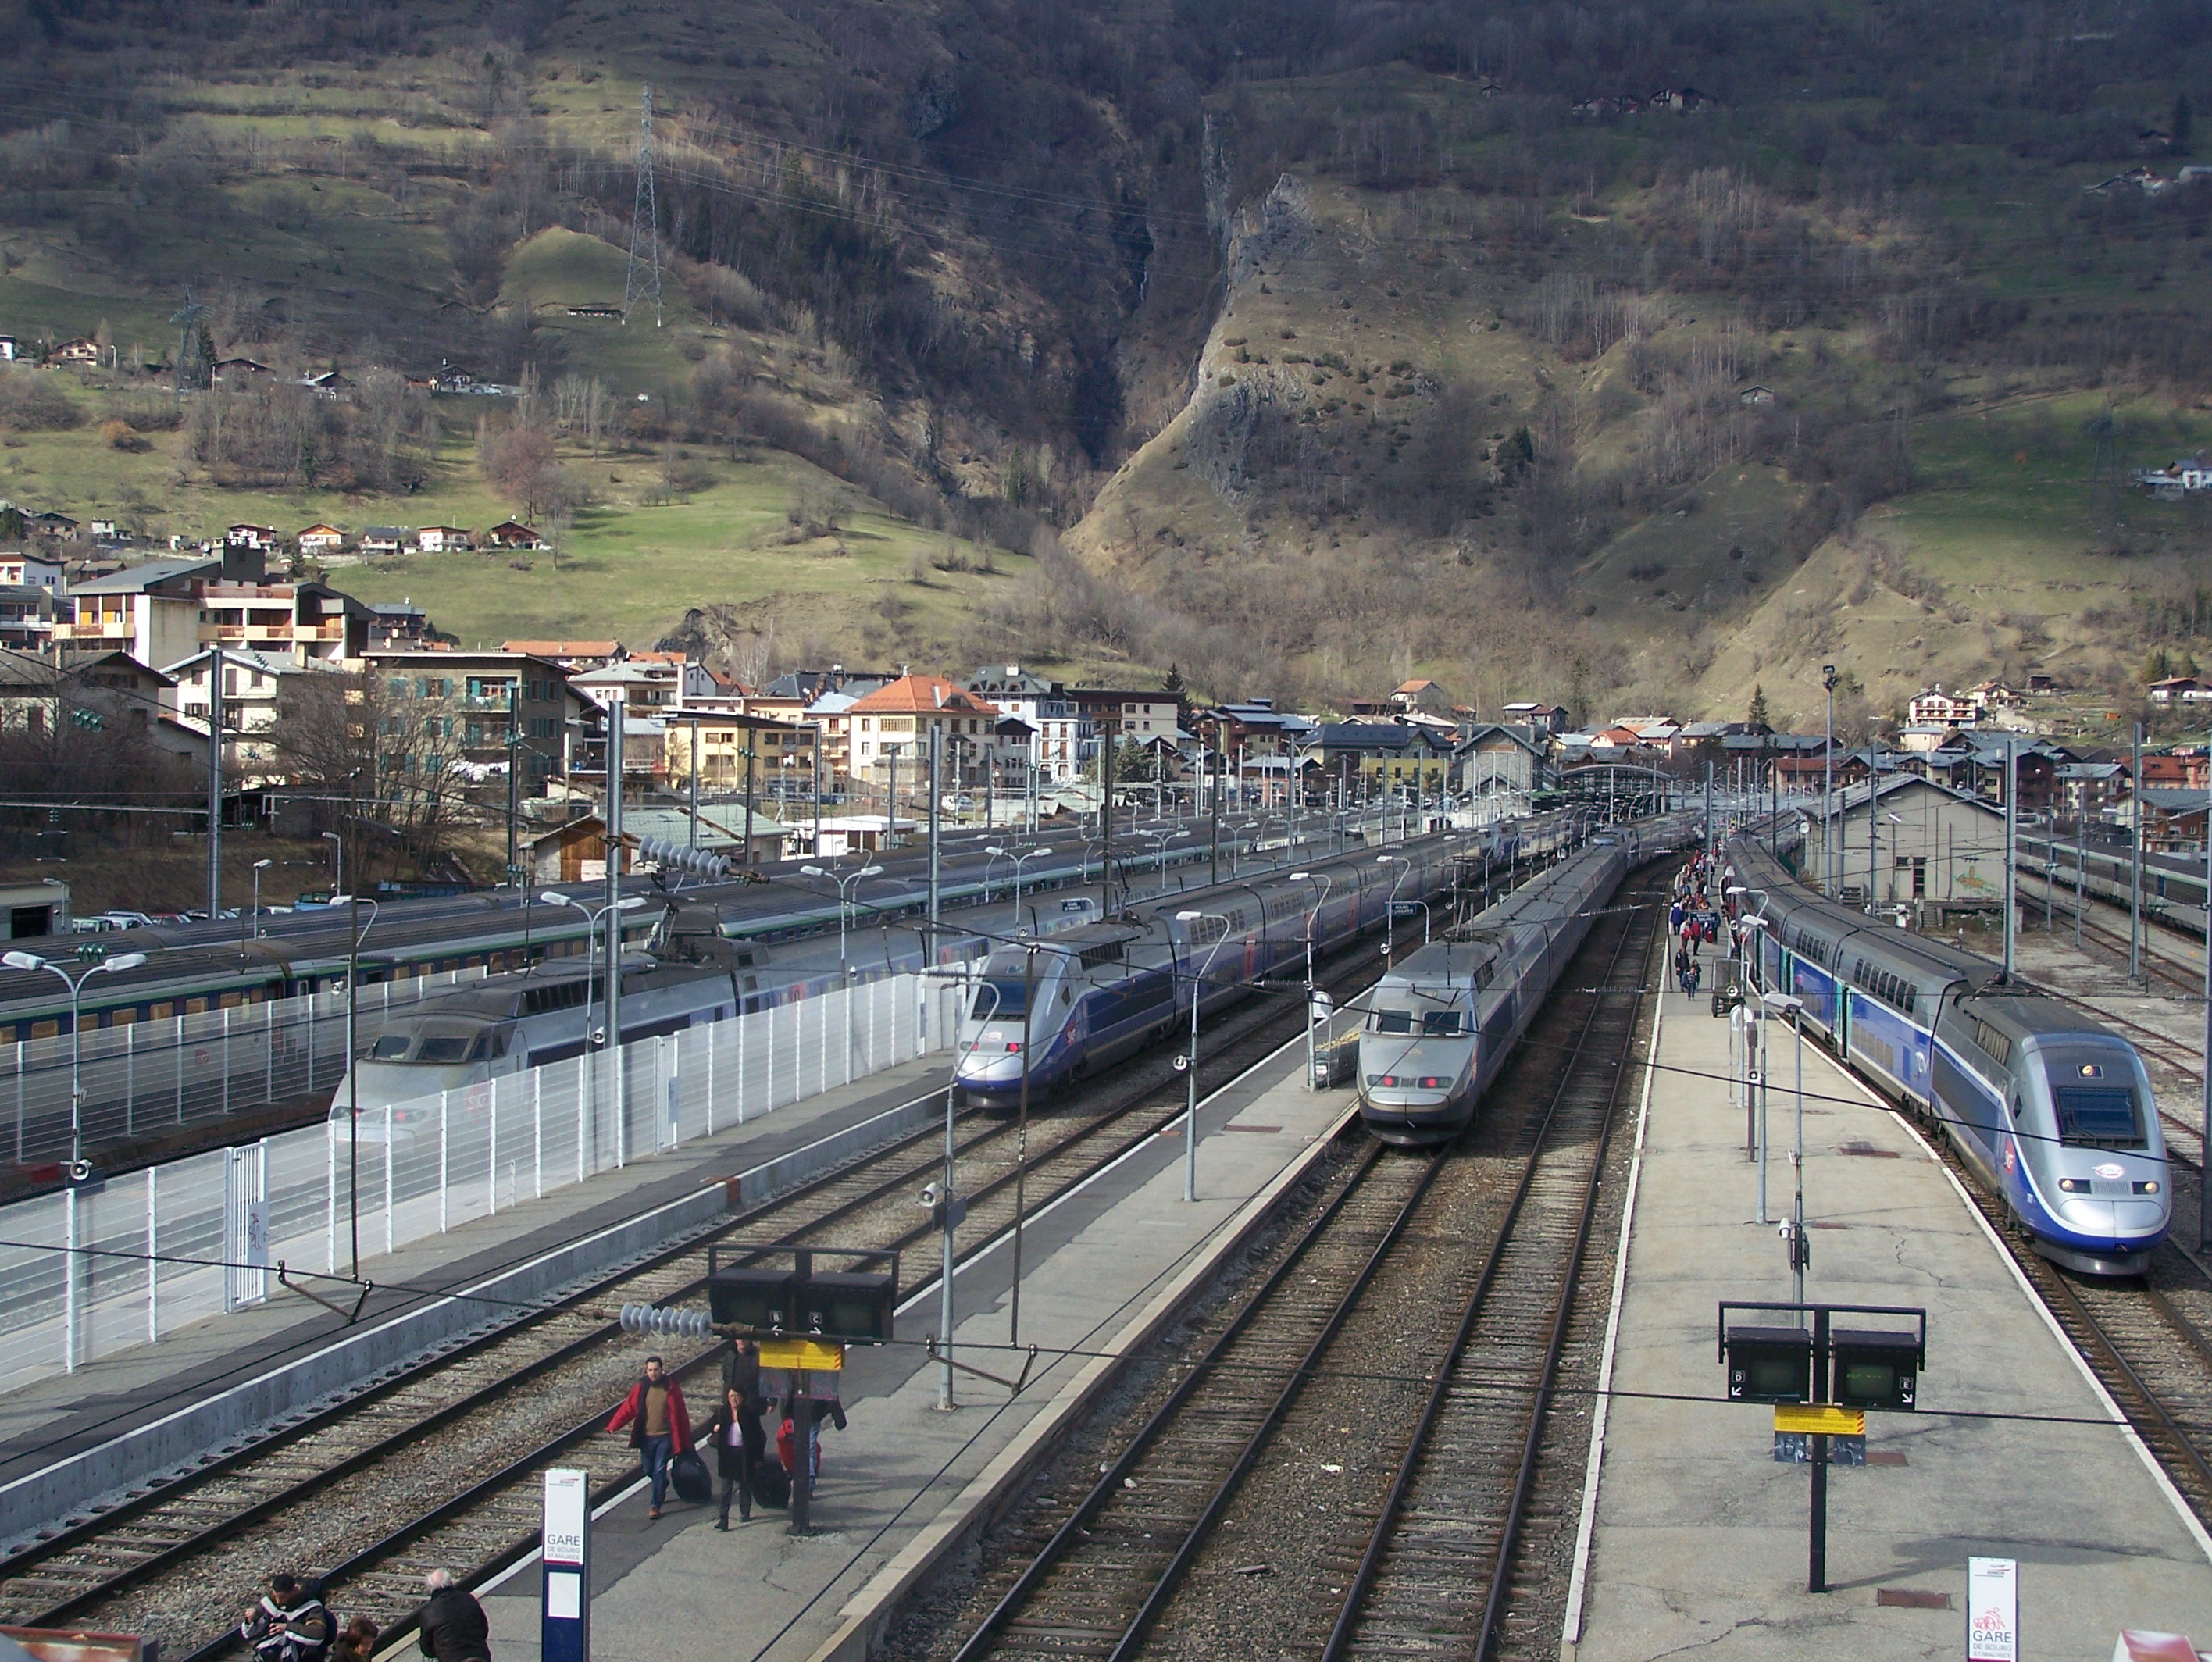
pixel 869 871
pixel 813 871
pixel 22 961
pixel 553 897
pixel 125 960
pixel 263 865
pixel 1301 876
pixel 993 848
pixel 1180 918
pixel 629 902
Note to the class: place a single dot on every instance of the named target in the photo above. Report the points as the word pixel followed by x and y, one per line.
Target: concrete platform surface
pixel 1700 1537
pixel 1103 1269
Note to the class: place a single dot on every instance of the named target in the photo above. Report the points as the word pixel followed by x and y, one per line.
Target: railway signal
pixel 1821 1381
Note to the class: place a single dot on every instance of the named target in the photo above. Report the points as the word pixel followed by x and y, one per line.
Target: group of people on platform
pixel 660 1431
pixel 291 1623
pixel 1692 922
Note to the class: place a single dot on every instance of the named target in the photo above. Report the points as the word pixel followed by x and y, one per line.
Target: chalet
pixel 397 625
pixel 329 382
pixel 2179 689
pixel 78 351
pixel 570 654
pixel 319 538
pixel 1546 718
pixel 443 539
pixel 514 534
pixel 383 539
pixel 58 526
pixel 240 369
pixel 259 539
pixel 1755 395
pixel 1934 707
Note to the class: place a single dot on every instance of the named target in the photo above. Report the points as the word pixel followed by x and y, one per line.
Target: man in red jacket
pixel 660 1427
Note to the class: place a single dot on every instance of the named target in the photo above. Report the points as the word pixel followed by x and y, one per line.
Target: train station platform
pixel 121 1419
pixel 1699 1541
pixel 1105 1270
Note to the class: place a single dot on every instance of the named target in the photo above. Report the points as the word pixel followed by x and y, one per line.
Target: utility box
pixel 1770 1364
pixel 1875 1369
pixel 760 1297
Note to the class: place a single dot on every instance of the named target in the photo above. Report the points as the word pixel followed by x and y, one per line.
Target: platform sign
pixel 809 1355
pixel 565 1619
pixel 1992 1610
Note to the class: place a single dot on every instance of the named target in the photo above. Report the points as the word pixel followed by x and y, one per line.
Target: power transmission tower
pixel 195 358
pixel 643 281
pixel 2105 468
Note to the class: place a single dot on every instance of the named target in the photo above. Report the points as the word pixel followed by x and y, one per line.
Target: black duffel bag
pixel 688 1473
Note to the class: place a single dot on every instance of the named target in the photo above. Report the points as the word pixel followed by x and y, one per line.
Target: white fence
pixel 87 1273
pixel 144 1076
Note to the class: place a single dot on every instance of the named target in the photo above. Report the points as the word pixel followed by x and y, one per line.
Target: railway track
pixel 1345 1466
pixel 437 1467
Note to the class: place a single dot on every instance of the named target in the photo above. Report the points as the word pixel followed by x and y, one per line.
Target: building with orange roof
pixel 898 718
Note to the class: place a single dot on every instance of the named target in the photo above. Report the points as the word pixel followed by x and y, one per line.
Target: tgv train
pixel 1440 1024
pixel 688 975
pixel 2172 885
pixel 2051 1112
pixel 1071 1004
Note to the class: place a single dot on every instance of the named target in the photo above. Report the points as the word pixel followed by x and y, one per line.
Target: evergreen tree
pixel 1173 686
pixel 1757 716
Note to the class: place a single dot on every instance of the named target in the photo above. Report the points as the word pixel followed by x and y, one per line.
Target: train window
pixel 389 1048
pixel 1439 1023
pixel 195 1006
pixel 159 1012
pixel 1392 1021
pixel 7 1033
pixel 231 1001
pixel 445 1047
pixel 2096 1114
pixel 1995 1044
pixel 45 1029
pixel 1001 995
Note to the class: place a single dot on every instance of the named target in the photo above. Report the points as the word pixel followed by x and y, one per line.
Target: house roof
pixel 320 526
pixel 1413 689
pixel 392 533
pixel 2173 799
pixel 563 648
pixel 922 694
pixel 137 579
pixel 1372 736
pixel 244 657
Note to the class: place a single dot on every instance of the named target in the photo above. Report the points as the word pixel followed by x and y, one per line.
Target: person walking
pixel 290 1624
pixel 453 1625
pixel 357 1643
pixel 787 1437
pixel 660 1428
pixel 735 1432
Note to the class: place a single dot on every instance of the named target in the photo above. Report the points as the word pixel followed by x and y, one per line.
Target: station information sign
pixel 1992 1610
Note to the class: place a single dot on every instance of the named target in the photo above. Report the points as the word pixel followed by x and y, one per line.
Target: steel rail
pixel 1362 1579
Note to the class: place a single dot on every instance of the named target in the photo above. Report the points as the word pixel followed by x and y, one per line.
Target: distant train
pixel 1085 999
pixel 1441 1024
pixel 2050 1111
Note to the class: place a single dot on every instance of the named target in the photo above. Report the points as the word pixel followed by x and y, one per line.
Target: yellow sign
pixel 814 1355
pixel 1822 1419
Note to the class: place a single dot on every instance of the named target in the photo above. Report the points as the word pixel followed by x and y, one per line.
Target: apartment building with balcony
pixel 250 703
pixel 163 611
pixel 474 696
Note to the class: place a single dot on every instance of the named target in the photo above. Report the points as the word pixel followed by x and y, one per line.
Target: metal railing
pixel 95 1271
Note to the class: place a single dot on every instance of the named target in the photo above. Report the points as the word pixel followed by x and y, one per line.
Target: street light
pixel 1160 839
pixel 1019 860
pixel 1190 1061
pixel 1827 759
pixel 32 960
pixel 1312 918
pixel 337 867
pixel 1783 1001
pixel 594 913
pixel 844 902
pixel 259 866
pixel 1390 909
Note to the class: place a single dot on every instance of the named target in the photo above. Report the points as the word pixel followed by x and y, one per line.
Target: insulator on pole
pixel 674 1324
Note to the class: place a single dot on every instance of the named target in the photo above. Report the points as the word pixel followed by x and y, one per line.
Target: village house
pixel 319 538
pixel 514 534
pixel 1937 708
pixel 443 539
pixel 377 540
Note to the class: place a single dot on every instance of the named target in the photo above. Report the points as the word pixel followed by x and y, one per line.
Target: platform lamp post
pixel 259 866
pixel 845 887
pixel 1827 763
pixel 1313 918
pixel 2204 1208
pixel 1019 859
pixel 1390 909
pixel 1189 1061
pixel 951 1210
pixel 1160 839
pixel 121 960
pixel 1799 1254
pixel 338 857
pixel 610 1040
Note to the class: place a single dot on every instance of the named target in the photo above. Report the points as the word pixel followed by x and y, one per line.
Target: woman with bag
pixel 738 1441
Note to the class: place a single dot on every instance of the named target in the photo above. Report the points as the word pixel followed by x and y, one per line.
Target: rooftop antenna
pixel 643 280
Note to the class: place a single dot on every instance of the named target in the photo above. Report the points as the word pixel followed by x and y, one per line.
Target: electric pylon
pixel 643 281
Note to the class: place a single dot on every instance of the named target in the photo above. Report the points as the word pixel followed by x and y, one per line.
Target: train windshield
pixel 1391 1020
pixel 389 1048
pixel 1000 995
pixel 1440 1023
pixel 2102 1114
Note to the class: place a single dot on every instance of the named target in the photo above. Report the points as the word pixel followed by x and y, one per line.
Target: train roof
pixel 1440 961
pixel 2024 1014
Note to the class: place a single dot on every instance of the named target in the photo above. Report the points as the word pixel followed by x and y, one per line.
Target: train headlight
pixel 2150 1187
pixel 2074 1186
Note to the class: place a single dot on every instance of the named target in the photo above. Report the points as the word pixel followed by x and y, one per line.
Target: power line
pixel 644 273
